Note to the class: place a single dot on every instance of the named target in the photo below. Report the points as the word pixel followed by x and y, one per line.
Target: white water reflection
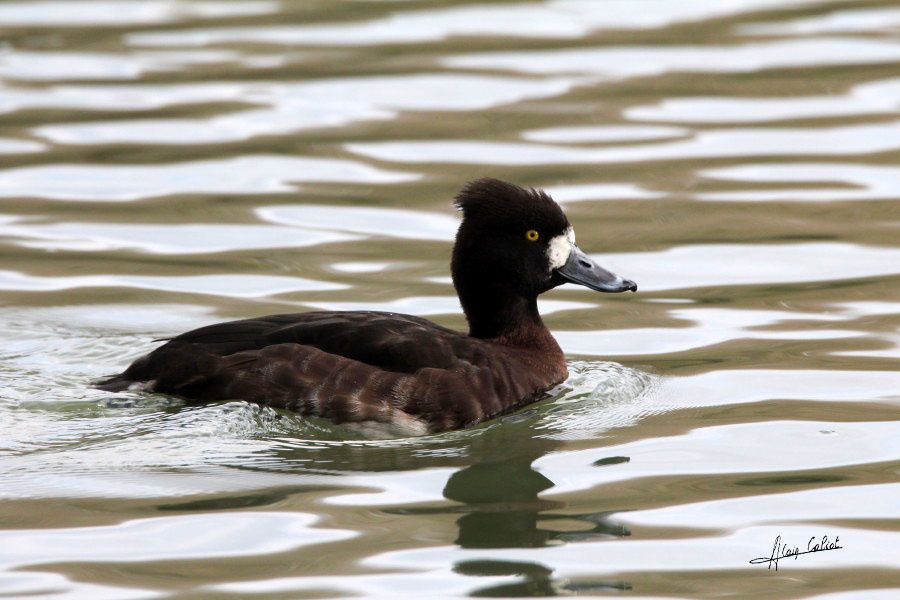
pixel 873 97
pixel 599 191
pixel 713 143
pixel 708 327
pixel 739 448
pixel 114 13
pixel 644 61
pixel 13 146
pixel 293 106
pixel 726 386
pixel 438 305
pixel 118 97
pixel 394 222
pixel 361 267
pixel 254 174
pixel 714 265
pixel 178 537
pixel 376 585
pixel 552 19
pixel 232 127
pixel 437 91
pixel 862 20
pixel 394 488
pixel 115 318
pixel 25 65
pixel 856 182
pixel 827 504
pixel 227 285
pixel 866 308
pixel 890 352
pixel 165 239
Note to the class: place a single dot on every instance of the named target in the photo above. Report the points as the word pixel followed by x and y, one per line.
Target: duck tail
pixel 174 368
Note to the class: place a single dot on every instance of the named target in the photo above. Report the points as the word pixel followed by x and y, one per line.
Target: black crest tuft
pixel 495 202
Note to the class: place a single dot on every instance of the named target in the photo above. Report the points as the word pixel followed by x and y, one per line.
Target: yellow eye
pixel 532 235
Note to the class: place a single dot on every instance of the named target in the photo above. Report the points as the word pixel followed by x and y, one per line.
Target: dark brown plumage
pixel 400 369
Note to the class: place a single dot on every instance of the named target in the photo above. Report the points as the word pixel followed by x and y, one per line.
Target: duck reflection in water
pixel 500 505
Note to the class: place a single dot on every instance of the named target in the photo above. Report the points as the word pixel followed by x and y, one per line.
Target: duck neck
pixel 506 318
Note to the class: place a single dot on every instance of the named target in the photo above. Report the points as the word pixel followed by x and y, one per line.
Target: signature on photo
pixel 781 550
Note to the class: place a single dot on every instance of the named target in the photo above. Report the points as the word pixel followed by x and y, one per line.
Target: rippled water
pixel 165 164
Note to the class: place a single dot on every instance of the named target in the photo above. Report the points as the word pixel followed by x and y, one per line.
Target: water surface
pixel 166 164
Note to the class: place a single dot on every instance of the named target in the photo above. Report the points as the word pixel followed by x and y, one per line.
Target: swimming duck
pixel 398 370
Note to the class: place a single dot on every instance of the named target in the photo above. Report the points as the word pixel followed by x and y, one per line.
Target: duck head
pixel 512 245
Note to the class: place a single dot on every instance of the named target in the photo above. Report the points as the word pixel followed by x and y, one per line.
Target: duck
pixel 397 370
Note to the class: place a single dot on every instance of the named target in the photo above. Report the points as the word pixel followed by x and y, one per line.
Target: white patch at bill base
pixel 559 248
